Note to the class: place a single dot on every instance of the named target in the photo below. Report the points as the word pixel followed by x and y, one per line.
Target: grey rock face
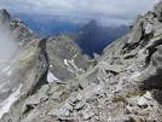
pixel 28 73
pixel 65 57
pixel 137 32
pixel 23 35
pixel 158 10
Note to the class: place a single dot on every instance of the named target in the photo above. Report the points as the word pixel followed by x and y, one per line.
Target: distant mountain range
pixel 46 25
pixel 91 37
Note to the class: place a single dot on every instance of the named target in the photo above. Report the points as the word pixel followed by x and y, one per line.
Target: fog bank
pixel 7 43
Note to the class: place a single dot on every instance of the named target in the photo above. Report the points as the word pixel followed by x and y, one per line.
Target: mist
pixel 7 44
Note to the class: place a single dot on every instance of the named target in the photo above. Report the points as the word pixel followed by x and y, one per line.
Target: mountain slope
pixel 124 86
pixel 66 59
pixel 31 67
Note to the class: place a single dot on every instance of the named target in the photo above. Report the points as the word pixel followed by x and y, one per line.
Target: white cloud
pixel 123 9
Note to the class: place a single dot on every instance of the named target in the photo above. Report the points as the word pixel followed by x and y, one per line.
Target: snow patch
pixel 71 65
pixel 51 77
pixel 2 85
pixel 6 104
pixel 51 66
pixel 66 62
pixel 6 69
pixel 9 73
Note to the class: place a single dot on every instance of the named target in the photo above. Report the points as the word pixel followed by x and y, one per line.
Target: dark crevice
pixel 154 84
pixel 129 47
pixel 29 108
pixel 43 57
pixel 112 72
pixel 151 50
pixel 146 39
pixel 130 56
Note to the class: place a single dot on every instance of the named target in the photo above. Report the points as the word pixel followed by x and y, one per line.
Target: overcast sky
pixel 115 10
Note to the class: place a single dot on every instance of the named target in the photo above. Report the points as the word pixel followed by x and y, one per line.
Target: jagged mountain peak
pixel 93 37
pixel 4 15
pixel 91 24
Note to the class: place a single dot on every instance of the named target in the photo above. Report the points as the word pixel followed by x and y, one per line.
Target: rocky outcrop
pixel 22 34
pixel 24 72
pixel 18 30
pixel 158 10
pixel 24 76
pixel 66 58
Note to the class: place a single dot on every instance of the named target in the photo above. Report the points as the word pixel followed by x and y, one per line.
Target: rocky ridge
pixel 32 67
pixel 124 86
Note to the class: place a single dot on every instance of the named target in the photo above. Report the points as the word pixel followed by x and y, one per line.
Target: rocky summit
pixel 51 80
